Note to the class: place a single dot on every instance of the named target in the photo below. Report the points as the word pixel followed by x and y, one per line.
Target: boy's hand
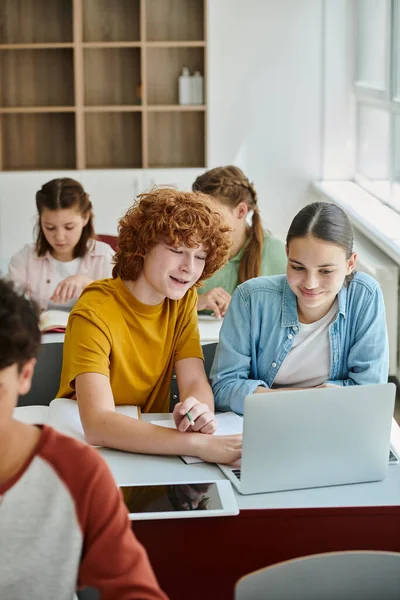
pixel 201 415
pixel 224 449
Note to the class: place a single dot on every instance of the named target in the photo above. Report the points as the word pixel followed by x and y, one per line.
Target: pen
pixel 190 418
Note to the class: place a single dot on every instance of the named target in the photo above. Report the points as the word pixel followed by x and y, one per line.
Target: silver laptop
pixel 313 438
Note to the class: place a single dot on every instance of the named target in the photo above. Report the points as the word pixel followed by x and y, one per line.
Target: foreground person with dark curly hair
pixel 63 525
pixel 127 334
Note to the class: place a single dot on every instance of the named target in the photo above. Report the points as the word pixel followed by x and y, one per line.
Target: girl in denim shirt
pixel 319 325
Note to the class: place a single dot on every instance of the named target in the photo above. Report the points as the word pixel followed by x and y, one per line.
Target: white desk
pixel 145 469
pixel 269 528
pixel 53 338
pixel 209 328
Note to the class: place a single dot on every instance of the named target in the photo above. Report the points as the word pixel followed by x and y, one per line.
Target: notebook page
pixel 227 424
pixel 64 416
pixel 32 414
pixel 53 320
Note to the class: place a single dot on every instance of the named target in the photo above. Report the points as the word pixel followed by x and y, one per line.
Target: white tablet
pixel 179 500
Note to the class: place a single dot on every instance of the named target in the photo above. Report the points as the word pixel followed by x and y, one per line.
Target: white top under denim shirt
pixel 308 362
pixel 262 322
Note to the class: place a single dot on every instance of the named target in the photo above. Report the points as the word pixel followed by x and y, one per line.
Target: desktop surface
pixel 209 328
pixel 163 469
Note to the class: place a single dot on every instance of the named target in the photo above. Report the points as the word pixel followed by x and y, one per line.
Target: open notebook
pixel 228 423
pixel 53 320
pixel 63 415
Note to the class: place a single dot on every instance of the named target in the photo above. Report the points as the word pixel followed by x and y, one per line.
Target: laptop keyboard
pixel 236 472
pixel 392 459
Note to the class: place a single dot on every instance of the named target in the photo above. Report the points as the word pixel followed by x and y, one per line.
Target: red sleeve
pixel 112 560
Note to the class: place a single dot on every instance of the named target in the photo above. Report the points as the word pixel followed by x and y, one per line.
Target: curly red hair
pixel 180 218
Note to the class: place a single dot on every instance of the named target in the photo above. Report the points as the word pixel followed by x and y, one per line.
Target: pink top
pixel 36 273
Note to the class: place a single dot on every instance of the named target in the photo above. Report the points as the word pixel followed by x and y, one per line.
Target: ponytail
pixel 250 265
pixel 231 186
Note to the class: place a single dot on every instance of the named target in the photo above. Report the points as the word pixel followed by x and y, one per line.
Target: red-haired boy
pixel 127 334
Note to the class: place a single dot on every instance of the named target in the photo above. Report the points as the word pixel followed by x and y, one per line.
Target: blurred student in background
pixel 254 252
pixel 66 256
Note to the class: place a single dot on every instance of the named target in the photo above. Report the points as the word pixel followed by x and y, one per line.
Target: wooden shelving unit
pixel 94 84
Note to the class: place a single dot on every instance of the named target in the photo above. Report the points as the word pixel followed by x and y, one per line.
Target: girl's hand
pixel 203 417
pixel 70 288
pixel 216 300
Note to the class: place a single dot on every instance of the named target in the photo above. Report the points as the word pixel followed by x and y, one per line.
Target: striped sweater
pixel 63 527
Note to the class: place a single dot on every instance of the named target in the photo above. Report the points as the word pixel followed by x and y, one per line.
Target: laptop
pixel 313 438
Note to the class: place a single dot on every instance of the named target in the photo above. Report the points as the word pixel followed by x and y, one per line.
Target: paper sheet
pixel 64 416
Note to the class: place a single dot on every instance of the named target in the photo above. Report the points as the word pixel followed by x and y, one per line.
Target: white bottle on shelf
pixel 185 87
pixel 197 88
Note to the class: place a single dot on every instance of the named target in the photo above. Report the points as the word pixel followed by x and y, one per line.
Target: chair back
pixel 330 576
pixel 88 594
pixel 46 377
pixel 208 352
pixel 111 240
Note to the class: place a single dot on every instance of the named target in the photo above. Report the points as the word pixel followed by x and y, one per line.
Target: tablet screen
pixel 171 498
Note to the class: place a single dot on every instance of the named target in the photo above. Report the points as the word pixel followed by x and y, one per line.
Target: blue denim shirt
pixel 260 326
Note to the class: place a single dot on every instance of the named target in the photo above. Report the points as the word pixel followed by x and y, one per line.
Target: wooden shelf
pixel 176 107
pixel 111 76
pixel 113 140
pixel 37 109
pixel 112 44
pixel 35 21
pixel 164 65
pixel 38 141
pixel 185 44
pixel 44 46
pixel 111 20
pixel 115 108
pixel 94 83
pixel 32 78
pixel 173 20
pixel 176 139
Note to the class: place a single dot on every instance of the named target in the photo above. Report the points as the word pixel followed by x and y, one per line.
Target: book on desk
pixel 63 415
pixel 53 321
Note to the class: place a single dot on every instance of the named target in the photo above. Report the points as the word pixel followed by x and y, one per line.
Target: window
pixel 377 91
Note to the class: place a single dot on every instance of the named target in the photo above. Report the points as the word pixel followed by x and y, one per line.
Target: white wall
pixel 264 98
pixel 338 97
pixel 265 114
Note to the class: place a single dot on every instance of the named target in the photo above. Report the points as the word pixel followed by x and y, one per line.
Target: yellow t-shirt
pixel 136 345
